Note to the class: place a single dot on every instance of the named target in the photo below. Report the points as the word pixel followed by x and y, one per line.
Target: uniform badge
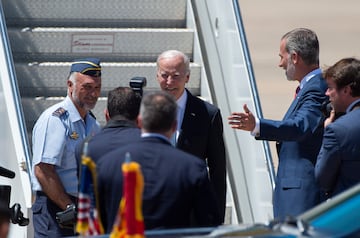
pixel 74 135
pixel 97 74
pixel 59 112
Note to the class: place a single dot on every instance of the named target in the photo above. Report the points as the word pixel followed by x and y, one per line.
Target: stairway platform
pixel 48 79
pixel 109 44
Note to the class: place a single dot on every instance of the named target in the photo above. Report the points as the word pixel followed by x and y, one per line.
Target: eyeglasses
pixel 174 76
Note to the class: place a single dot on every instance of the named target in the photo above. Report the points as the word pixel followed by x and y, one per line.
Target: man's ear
pixel 106 113
pixel 294 57
pixel 187 77
pixel 347 90
pixel 139 121
pixel 70 86
pixel 174 126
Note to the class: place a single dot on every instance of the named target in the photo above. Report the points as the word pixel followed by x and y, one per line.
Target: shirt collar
pixel 352 105
pixel 309 76
pixel 181 102
pixel 147 134
pixel 74 114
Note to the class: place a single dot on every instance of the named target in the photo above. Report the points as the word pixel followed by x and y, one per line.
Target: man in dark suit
pixel 176 183
pixel 200 128
pixel 299 134
pixel 121 129
pixel 338 164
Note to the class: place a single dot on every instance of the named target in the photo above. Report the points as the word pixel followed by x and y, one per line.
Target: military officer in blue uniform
pixel 55 136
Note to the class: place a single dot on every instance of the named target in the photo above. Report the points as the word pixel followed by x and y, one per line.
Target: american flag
pixel 88 218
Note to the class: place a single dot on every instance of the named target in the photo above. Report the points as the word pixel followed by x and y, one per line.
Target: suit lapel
pixel 296 100
pixel 309 81
pixel 292 106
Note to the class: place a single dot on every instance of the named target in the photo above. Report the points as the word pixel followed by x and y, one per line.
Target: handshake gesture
pixel 242 120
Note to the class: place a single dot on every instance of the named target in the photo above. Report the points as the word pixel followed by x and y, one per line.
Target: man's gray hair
pixel 305 43
pixel 174 53
pixel 158 111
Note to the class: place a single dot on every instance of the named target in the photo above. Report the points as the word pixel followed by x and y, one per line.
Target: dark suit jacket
pixel 116 133
pixel 338 164
pixel 299 137
pixel 176 185
pixel 202 135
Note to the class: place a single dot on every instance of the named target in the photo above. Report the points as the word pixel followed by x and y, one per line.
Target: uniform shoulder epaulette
pixel 59 112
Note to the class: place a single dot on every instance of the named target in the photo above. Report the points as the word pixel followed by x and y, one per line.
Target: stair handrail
pixel 253 86
pixel 10 69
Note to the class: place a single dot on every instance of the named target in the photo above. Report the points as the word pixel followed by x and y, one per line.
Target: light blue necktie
pixel 174 136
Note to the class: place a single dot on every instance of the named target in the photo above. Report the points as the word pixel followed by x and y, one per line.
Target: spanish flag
pixel 88 218
pixel 129 222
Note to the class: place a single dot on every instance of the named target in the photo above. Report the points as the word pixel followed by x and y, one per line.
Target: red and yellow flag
pixel 129 222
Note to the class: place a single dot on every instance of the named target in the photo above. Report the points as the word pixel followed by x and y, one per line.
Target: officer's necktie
pixel 297 91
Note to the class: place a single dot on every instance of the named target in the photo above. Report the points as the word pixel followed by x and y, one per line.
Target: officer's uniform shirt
pixel 55 135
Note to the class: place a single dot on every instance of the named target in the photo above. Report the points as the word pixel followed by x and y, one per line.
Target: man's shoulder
pixel 317 82
pixel 183 157
pixel 200 103
pixel 346 122
pixel 128 134
pixel 157 146
pixel 120 137
pixel 54 112
pixel 57 110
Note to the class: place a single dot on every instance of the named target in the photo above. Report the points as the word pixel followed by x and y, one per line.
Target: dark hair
pixel 123 102
pixel 305 43
pixel 345 72
pixel 158 112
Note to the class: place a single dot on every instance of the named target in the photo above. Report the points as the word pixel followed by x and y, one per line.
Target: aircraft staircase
pixel 128 35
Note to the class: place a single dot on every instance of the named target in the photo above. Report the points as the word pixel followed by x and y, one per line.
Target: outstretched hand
pixel 242 120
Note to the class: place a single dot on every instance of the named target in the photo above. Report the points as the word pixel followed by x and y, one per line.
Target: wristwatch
pixel 70 206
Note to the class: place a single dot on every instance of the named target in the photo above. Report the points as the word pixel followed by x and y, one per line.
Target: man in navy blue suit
pixel 338 164
pixel 176 184
pixel 200 127
pixel 299 134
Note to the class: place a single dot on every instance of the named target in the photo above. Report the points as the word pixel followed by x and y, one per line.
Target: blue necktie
pixel 297 91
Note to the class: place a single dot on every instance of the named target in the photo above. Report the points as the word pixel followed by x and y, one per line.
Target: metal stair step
pixel 109 44
pixel 48 79
pixel 109 13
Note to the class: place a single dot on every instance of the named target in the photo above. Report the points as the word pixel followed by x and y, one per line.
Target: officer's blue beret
pixel 88 66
